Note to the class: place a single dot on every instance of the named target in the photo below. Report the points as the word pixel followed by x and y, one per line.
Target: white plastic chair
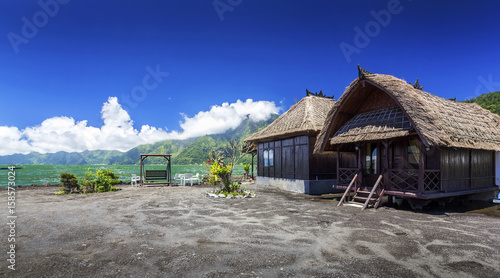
pixel 134 179
pixel 196 179
pixel 179 178
pixel 188 178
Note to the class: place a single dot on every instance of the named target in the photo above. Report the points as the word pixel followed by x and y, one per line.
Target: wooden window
pixel 371 159
pixel 268 158
pixel 413 154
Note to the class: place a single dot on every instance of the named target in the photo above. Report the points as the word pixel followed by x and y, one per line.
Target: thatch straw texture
pixel 438 122
pixel 305 117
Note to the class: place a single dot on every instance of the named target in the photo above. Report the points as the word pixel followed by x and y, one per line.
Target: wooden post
pixel 169 170
pixel 142 166
pixel 338 164
pixel 360 165
pixel 386 162
pixel 253 155
pixel 421 166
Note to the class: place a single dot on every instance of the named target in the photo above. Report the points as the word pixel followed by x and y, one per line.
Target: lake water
pixel 40 174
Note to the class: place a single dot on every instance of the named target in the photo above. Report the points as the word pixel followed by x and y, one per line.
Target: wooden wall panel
pixel 375 101
pixel 293 159
pixel 348 160
pixel 482 168
pixel 277 161
pixel 399 150
pixel 302 162
pixel 432 158
pixel 322 166
pixel 455 169
pixel 260 160
pixel 287 161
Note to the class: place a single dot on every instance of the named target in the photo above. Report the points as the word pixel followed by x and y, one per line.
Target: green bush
pixel 69 182
pixel 101 181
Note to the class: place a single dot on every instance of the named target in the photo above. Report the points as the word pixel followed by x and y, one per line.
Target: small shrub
pixel 212 178
pixel 104 180
pixel 69 182
pixel 101 181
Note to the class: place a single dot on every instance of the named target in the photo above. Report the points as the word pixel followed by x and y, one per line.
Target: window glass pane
pixel 266 158
pixel 413 154
pixel 374 159
pixel 368 158
pixel 371 159
pixel 271 158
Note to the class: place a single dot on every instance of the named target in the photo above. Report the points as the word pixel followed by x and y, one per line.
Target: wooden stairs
pixel 366 195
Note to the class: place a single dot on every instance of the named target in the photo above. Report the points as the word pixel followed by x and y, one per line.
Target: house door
pixel 371 167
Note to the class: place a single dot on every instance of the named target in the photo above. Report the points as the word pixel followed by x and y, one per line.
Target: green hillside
pixel 184 152
pixel 490 101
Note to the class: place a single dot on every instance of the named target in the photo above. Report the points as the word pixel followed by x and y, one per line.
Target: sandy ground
pixel 178 232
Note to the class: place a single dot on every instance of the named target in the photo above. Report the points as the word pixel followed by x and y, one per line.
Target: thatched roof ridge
pixel 305 117
pixel 437 121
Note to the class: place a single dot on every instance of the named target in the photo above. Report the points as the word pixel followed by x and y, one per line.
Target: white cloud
pixel 118 132
pixel 11 141
pixel 227 116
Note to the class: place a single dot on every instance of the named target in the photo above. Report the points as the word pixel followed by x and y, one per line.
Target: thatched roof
pixel 438 122
pixel 305 117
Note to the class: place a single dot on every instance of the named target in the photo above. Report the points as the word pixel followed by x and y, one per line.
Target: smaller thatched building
pixel 285 149
pixel 415 144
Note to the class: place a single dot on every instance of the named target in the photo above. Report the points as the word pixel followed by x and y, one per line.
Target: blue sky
pixel 173 64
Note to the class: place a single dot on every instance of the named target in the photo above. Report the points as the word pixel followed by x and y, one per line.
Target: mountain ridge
pixel 490 101
pixel 184 152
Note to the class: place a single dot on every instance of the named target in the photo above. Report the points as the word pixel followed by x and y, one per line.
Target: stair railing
pixel 347 191
pixel 379 181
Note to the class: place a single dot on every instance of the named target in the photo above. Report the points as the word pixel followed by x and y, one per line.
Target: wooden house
pixel 285 149
pixel 392 138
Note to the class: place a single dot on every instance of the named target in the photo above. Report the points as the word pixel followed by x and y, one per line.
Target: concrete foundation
pixel 312 187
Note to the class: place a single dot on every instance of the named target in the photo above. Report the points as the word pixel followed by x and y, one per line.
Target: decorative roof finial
pixel 362 72
pixel 320 94
pixel 417 86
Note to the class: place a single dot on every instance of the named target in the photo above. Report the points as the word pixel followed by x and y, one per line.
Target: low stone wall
pixel 313 187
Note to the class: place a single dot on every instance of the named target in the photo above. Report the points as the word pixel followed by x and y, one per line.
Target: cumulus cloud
pixel 118 132
pixel 227 116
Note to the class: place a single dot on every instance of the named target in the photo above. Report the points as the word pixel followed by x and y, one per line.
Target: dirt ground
pixel 179 232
